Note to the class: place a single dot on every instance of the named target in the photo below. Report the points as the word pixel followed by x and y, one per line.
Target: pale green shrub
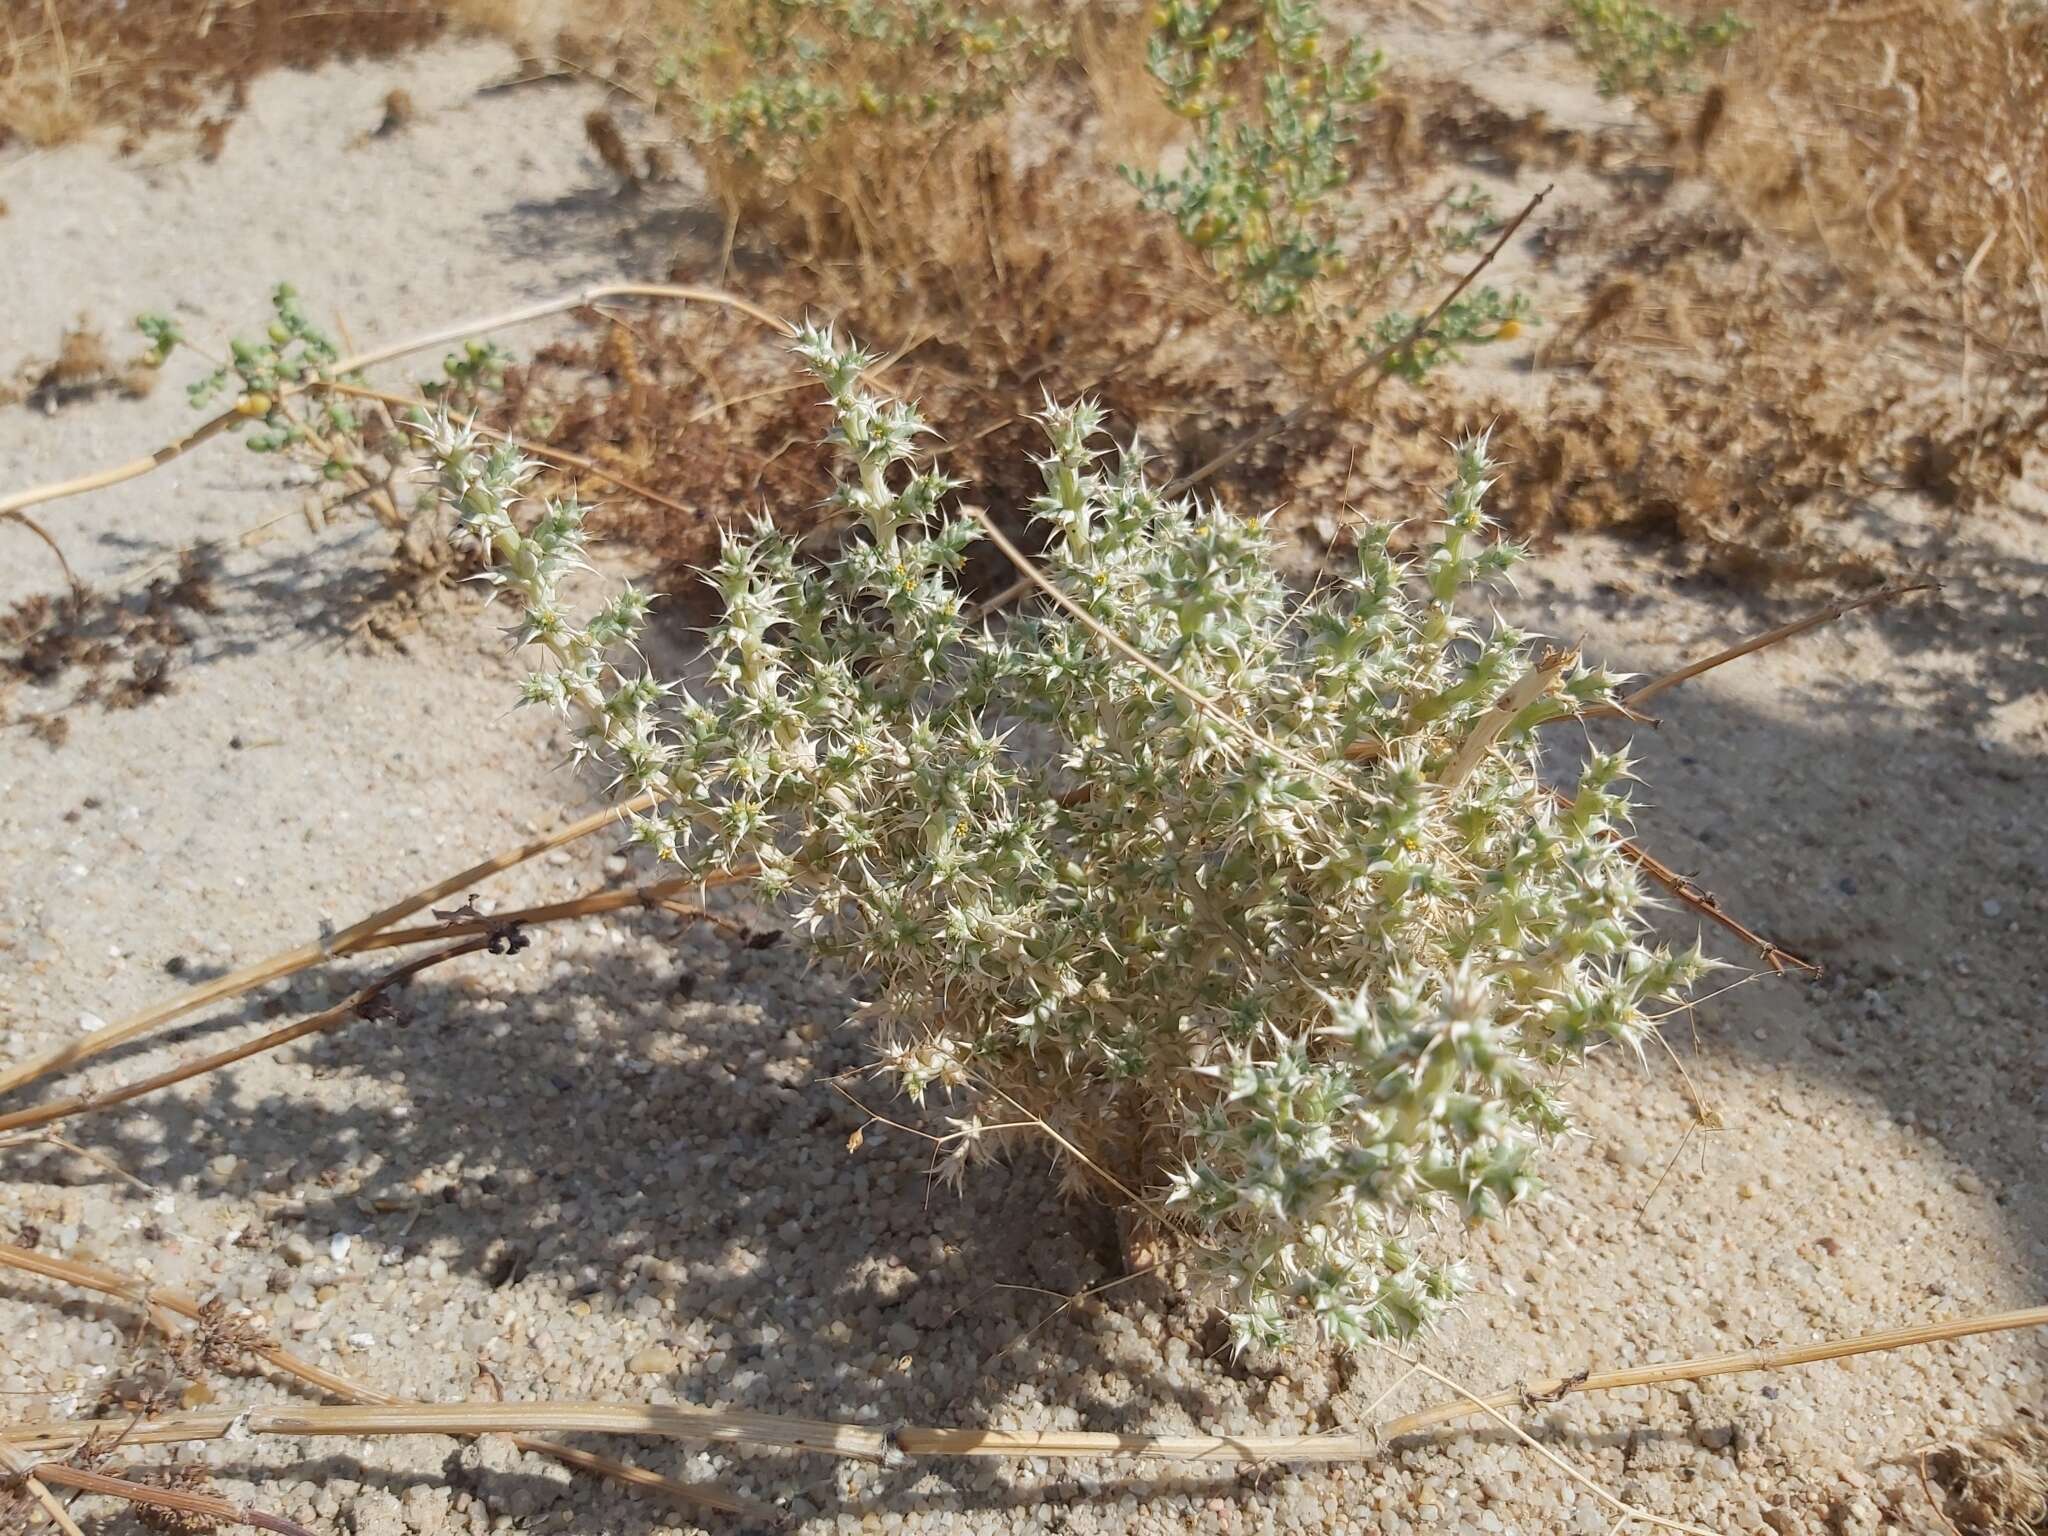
pixel 1637 47
pixel 1263 194
pixel 1278 930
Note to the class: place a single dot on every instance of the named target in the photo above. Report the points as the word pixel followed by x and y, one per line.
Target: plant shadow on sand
pixel 666 1088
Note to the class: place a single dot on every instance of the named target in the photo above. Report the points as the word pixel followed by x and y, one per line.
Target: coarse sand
pixel 611 1167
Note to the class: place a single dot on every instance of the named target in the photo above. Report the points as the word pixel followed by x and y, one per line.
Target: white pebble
pixel 91 1023
pixel 337 1247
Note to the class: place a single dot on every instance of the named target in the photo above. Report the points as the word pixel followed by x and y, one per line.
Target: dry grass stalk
pixel 292 961
pixel 1733 1363
pixel 859 1442
pixel 1704 902
pixel 157 1302
pixel 1827 615
pixel 13 1464
pixel 355 1005
pixel 204 1510
pixel 490 932
pixel 672 292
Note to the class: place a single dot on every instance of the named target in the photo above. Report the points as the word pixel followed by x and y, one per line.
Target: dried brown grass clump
pixel 1732 395
pixel 70 65
pixel 1745 397
pixel 82 369
pixel 1995 1484
pixel 44 638
pixel 1911 140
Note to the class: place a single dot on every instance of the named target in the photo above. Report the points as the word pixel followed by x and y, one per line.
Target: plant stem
pixel 209 1507
pixel 1736 1362
pixel 861 1443
pixel 134 468
pixel 291 961
pixel 64 1109
pixel 1377 360
pixel 155 1299
pixel 1770 637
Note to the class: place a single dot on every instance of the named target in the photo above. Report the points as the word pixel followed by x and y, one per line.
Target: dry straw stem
pixel 156 1301
pixel 1733 1363
pixel 862 1443
pixel 13 1464
pixel 292 961
pixel 1704 902
pixel 1533 685
pixel 657 897
pixel 348 1008
pixel 207 1507
pixel 12 505
pixel 1828 615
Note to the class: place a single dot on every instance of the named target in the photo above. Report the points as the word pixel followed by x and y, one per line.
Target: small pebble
pixel 655 1360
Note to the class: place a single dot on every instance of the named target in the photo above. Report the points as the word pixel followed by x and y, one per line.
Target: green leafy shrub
pixel 1261 193
pixel 1637 47
pixel 1257 901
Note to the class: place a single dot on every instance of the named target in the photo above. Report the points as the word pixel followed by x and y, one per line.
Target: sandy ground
pixel 610 1167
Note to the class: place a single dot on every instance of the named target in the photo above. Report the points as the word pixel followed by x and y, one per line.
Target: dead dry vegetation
pixel 1816 285
pixel 1797 296
pixel 1790 299
pixel 69 66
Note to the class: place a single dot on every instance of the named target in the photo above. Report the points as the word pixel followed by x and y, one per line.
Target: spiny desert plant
pixel 1637 47
pixel 1261 194
pixel 1257 901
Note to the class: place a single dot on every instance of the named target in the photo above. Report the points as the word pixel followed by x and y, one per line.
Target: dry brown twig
pixel 156 1301
pixel 352 1006
pixel 204 1506
pixel 14 1464
pixel 660 896
pixel 1770 637
pixel 100 479
pixel 292 961
pixel 861 1442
